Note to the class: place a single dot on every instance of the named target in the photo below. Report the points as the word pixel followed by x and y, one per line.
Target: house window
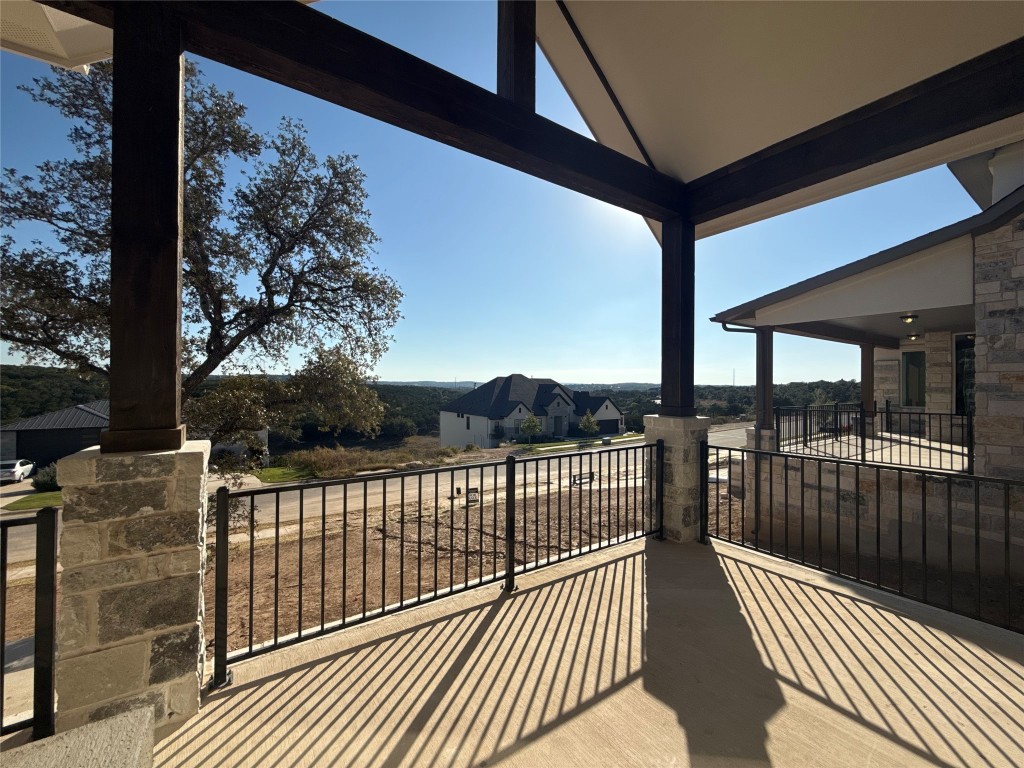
pixel 913 379
pixel 963 367
pixel 517 424
pixel 467 422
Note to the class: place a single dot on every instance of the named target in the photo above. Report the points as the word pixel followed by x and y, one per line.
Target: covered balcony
pixel 705 117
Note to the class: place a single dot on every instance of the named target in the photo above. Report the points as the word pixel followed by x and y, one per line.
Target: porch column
pixel 676 422
pixel 867 377
pixel 130 624
pixel 678 247
pixel 517 52
pixel 764 378
pixel 146 223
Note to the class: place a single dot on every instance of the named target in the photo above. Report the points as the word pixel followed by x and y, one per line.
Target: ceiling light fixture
pixel 913 336
pixel 908 318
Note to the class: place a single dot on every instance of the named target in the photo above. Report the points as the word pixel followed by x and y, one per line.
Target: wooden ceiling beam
pixel 971 95
pixel 302 48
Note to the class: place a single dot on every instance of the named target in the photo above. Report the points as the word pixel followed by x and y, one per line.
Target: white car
pixel 15 471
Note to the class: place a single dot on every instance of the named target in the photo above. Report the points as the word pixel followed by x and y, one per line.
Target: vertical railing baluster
pixel 220 605
pixel 510 522
pixel 878 526
pixel 344 553
pixel 419 537
pixel 277 560
pixel 949 537
pixel 703 472
pixel 401 541
pixel 899 523
pixel 856 520
pixel 252 555
pixel 977 547
pixel 43 661
pixel 323 557
pixel 3 616
pixel 1006 554
pixel 383 544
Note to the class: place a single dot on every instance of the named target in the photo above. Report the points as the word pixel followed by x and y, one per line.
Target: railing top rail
pixel 19 518
pixel 953 474
pixel 375 476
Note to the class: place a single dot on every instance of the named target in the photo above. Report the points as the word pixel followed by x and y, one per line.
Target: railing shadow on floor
pixel 901 676
pixel 677 623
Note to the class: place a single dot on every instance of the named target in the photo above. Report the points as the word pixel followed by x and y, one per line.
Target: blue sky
pixel 504 273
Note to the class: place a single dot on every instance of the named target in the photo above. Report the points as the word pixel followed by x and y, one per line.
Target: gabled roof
pixel 94 415
pixel 588 402
pixel 996 216
pixel 498 397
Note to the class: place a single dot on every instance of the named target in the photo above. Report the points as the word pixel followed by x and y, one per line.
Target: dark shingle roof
pixel 90 415
pixel 496 398
pixel 499 396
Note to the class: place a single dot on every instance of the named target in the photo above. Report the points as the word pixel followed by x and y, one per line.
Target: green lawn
pixel 36 501
pixel 282 474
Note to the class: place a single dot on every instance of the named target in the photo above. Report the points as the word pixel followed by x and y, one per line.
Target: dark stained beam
pixel 145 245
pixel 677 312
pixel 301 48
pixel 968 96
pixel 517 52
pixel 764 378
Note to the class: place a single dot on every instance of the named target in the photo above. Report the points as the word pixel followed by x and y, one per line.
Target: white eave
pixel 706 84
pixel 51 36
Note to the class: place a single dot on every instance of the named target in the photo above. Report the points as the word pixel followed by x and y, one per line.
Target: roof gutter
pixel 725 327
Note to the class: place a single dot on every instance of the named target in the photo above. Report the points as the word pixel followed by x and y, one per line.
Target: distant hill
pixel 435 384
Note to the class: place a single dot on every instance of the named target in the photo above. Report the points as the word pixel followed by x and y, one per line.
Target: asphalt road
pixel 545 474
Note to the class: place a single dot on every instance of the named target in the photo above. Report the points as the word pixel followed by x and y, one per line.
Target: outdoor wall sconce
pixel 913 336
pixel 908 319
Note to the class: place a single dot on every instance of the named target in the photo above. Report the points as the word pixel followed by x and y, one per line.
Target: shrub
pixel 45 479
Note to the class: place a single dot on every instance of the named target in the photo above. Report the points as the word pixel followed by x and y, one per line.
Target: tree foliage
pixel 278 261
pixel 530 427
pixel 588 424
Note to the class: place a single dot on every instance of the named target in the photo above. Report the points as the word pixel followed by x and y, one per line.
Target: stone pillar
pixel 682 436
pixel 938 384
pixel 132 548
pixel 999 352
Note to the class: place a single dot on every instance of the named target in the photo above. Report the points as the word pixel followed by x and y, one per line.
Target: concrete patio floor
pixel 649 653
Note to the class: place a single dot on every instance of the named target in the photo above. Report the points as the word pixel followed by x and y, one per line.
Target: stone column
pixel 132 548
pixel 682 436
pixel 999 352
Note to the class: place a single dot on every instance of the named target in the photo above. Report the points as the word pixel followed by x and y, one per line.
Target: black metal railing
pixel 296 561
pixel 941 441
pixel 28 600
pixel 951 540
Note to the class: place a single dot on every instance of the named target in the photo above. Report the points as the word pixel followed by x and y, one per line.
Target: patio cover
pixel 931 276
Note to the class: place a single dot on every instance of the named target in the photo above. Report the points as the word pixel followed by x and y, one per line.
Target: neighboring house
pixel 939 319
pixel 496 410
pixel 51 436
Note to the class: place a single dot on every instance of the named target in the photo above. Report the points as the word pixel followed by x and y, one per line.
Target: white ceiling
pixel 708 83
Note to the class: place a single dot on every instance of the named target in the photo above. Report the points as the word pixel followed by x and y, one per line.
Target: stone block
pixel 153 533
pixel 174 654
pixel 133 467
pixel 139 608
pixel 193 458
pixel 78 468
pixel 102 575
pixel 79 543
pixel 100 502
pixel 183 696
pixel 75 625
pixel 153 700
pixel 179 563
pixel 101 675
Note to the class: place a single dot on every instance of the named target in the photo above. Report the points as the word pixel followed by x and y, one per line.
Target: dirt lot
pixel 356 564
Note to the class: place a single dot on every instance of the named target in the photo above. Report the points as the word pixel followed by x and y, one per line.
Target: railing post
pixel 43 716
pixel 805 414
pixel 888 416
pixel 510 522
pixel 221 676
pixel 778 432
pixel 863 435
pixel 970 443
pixel 705 475
pixel 659 485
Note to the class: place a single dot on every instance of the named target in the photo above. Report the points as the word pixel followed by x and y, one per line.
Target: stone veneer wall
pixel 132 548
pixel 887 382
pixel 999 351
pixel 682 438
pixel 938 372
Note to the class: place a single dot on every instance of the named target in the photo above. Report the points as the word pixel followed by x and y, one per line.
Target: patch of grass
pixel 327 463
pixel 36 501
pixel 282 474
